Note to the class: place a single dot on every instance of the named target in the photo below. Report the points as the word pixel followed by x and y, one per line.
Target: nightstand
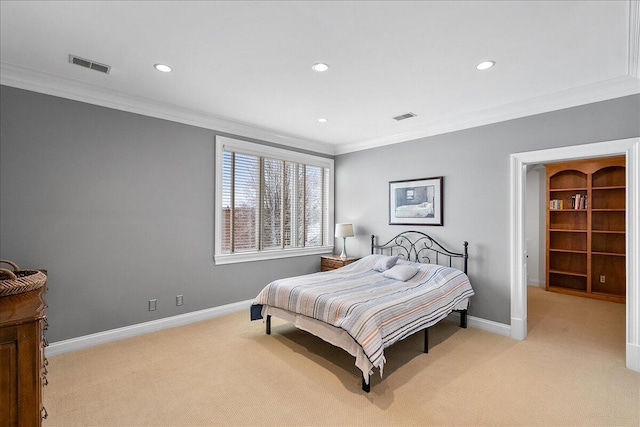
pixel 331 262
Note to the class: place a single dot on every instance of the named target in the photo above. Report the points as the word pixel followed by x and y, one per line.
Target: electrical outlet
pixel 179 299
pixel 602 279
pixel 152 304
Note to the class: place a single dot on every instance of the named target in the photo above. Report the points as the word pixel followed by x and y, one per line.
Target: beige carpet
pixel 569 371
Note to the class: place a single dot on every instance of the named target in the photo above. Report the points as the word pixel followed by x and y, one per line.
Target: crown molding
pixel 51 84
pixel 596 92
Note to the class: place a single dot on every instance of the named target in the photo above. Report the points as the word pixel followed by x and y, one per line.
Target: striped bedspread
pixel 374 310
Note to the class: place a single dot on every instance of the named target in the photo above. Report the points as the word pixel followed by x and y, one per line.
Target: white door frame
pixel 519 161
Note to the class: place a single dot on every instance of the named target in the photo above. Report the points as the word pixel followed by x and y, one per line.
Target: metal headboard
pixel 417 246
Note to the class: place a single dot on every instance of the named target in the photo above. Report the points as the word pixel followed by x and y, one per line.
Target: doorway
pixel 519 162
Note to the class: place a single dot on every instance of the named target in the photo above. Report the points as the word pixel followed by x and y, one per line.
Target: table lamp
pixel 344 231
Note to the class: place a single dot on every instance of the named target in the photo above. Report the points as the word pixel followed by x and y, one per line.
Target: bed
pixel 421 210
pixel 401 288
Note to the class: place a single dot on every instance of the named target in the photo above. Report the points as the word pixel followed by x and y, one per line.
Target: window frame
pixel 252 148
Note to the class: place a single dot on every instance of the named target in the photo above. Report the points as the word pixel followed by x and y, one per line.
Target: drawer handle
pixel 45 343
pixel 46 362
pixel 43 413
pixel 45 371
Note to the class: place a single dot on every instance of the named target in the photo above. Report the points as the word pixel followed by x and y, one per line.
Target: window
pixel 270 202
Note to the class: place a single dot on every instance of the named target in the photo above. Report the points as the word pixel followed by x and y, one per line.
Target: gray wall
pixel 475 166
pixel 119 208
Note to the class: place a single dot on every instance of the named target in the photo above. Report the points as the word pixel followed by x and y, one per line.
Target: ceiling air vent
pixel 404 116
pixel 87 63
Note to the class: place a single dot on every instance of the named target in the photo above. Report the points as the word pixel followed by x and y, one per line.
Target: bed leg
pixel 426 340
pixel 366 387
pixel 463 318
pixel 268 321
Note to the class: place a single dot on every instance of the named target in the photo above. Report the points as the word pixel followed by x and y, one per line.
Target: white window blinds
pixel 272 203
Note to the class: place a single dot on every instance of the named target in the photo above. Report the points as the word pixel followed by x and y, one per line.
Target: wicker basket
pixel 19 281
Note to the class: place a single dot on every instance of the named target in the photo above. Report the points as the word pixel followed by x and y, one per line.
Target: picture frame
pixel 416 201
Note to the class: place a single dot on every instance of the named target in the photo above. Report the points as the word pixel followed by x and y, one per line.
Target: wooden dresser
pixel 23 365
pixel 331 262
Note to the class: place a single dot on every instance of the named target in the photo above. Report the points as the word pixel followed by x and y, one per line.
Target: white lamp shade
pixel 344 230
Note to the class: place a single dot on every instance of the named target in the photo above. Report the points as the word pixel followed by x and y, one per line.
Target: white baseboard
pixel 633 357
pixel 91 340
pixel 485 325
pixel 85 341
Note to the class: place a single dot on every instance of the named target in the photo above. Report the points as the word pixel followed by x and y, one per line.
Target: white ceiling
pixel 245 67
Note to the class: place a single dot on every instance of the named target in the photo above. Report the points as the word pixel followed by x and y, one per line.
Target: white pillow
pixel 401 272
pixel 385 263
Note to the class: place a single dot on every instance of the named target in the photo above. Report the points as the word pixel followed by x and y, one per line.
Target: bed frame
pixel 414 246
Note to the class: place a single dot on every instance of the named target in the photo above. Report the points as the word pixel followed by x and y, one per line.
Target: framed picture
pixel 416 202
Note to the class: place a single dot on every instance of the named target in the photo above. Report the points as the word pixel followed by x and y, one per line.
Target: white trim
pixel 85 341
pixel 518 240
pixel 483 324
pixel 51 84
pixel 631 149
pixel 587 94
pixel 267 151
pixel 233 144
pixel 222 259
pixel 73 344
pixel 633 254
pixel 535 284
pixel 633 357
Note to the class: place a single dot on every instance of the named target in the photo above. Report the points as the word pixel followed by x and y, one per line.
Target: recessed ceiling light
pixel 323 120
pixel 162 67
pixel 320 67
pixel 485 65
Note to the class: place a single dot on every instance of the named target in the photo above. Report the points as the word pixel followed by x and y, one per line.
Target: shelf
pixel 608 232
pixel 568 240
pixel 608 210
pixel 611 187
pixel 568 219
pixel 555 190
pixel 610 198
pixel 608 254
pixel 608 243
pixel 567 282
pixel 612 175
pixel 568 273
pixel 571 251
pixel 564 230
pixel 608 220
pixel 568 179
